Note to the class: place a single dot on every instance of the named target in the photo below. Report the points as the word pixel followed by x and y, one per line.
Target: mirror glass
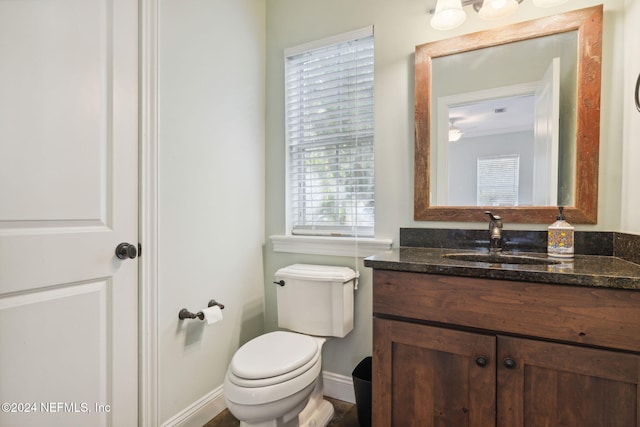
pixel 508 119
pixel 505 136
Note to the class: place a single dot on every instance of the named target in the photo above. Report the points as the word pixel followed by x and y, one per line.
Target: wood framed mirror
pixel 566 176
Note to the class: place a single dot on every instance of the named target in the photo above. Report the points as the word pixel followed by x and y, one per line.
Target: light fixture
pixel 454 133
pixel 548 3
pixel 496 9
pixel 448 15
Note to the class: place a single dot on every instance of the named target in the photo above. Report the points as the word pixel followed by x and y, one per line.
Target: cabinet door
pixel 550 384
pixel 427 376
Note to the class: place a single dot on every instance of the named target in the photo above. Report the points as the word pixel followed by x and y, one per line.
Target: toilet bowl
pixel 275 380
pixel 272 378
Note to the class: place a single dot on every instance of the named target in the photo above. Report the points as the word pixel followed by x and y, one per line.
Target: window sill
pixel 338 246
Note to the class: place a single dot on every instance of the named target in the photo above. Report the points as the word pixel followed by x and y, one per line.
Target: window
pixel 329 130
pixel 498 180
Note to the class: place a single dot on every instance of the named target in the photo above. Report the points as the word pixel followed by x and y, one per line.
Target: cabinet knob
pixel 481 361
pixel 509 363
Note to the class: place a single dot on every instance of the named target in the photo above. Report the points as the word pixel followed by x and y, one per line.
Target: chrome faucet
pixel 495 231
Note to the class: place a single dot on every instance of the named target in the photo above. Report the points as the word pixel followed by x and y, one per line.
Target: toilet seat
pixel 273 358
pixel 274 347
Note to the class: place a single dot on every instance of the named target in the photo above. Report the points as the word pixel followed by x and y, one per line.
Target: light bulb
pixel 448 15
pixel 496 9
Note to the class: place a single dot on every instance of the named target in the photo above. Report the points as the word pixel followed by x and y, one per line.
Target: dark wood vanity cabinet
pixel 455 351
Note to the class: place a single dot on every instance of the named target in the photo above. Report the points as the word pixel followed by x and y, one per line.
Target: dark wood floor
pixel 345 416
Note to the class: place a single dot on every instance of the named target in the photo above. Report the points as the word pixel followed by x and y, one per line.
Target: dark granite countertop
pixel 582 270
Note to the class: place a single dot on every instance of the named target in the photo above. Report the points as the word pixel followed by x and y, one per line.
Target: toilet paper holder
pixel 186 314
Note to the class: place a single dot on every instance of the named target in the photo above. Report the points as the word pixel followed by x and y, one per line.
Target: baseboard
pixel 338 387
pixel 200 412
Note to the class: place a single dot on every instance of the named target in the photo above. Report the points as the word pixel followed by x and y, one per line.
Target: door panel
pixel 68 191
pixel 557 384
pixel 430 376
pixel 43 354
pixel 54 111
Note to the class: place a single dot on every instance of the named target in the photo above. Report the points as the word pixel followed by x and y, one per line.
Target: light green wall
pixel 400 25
pixel 631 149
pixel 211 79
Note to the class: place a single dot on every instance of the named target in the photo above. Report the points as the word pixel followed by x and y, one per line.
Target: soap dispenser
pixel 560 238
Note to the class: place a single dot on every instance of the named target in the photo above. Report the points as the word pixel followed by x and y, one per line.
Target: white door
pixel 68 197
pixel 547 137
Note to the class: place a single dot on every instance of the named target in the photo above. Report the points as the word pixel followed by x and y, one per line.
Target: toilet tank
pixel 316 299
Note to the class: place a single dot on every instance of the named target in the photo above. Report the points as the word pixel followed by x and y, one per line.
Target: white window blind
pixel 329 126
pixel 498 180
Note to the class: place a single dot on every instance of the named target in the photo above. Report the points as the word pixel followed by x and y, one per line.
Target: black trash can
pixel 362 386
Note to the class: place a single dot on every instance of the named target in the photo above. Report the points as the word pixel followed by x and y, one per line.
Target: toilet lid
pixel 273 354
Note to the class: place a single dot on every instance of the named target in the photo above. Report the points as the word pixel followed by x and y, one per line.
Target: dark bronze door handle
pixel 126 250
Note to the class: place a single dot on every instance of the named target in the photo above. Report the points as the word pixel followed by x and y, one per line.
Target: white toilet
pixel 275 379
